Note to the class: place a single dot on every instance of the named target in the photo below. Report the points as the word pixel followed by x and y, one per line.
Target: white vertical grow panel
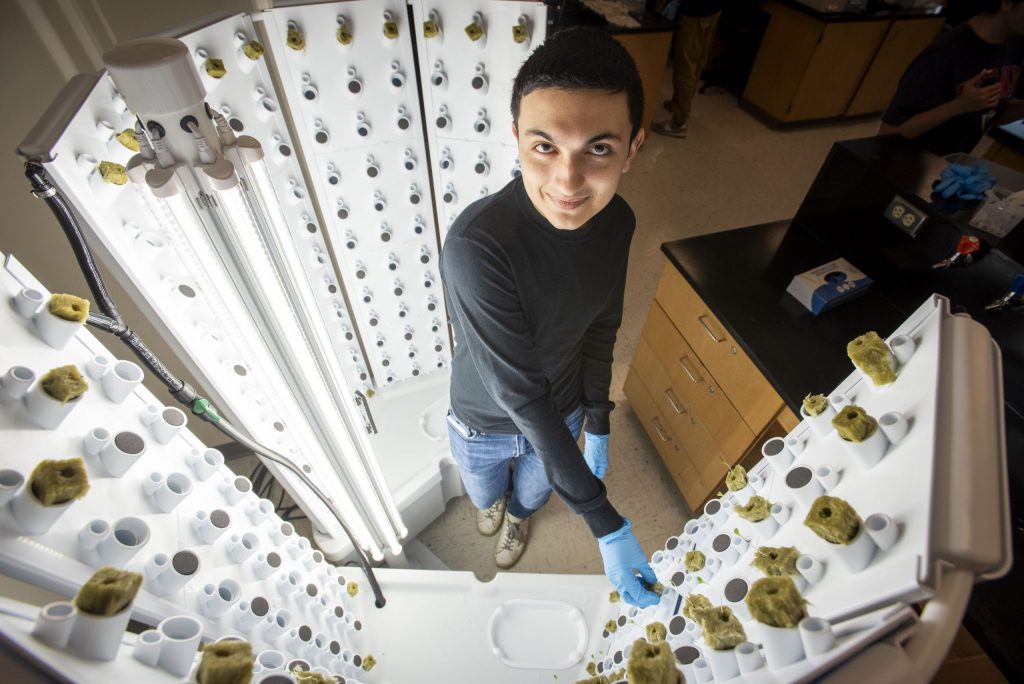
pixel 348 73
pixel 467 85
pixel 243 92
pixel 167 504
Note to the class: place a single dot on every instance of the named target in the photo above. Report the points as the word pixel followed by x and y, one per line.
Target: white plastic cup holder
pixel 742 496
pixel 168 424
pixel 216 599
pixel 810 568
pixel 702 671
pixel 240 547
pixel 183 567
pixel 734 593
pixel 795 445
pixel 259 510
pixel 97 366
pixel 287 584
pixel 249 614
pixel 869 451
pixel 181 635
pixel 31 515
pixel 121 380
pixel 280 532
pixel 817 636
pixel 98 637
pixel 266 564
pixel 95 440
pixel 46 411
pixel 17 381
pixel 210 525
pixel 748 658
pixel 54 623
pixel 11 481
pixel 293 548
pixel 120 453
pixel 309 561
pixel 693 530
pixel 902 347
pixel 235 488
pixel 780 512
pixel 827 476
pixel 126 537
pixel 882 529
pixel 838 400
pixel 755 482
pixel 150 414
pixel 155 567
pixel 152 482
pixel 739 543
pixel 821 424
pixel 272 661
pixel 775 452
pixel 28 302
pixel 858 553
pixel 725 549
pixel 782 646
pixel 723 664
pixel 800 480
pixel 766 529
pixel 894 425
pixel 148 646
pixel 92 534
pixel 204 462
pixel 715 511
pixel 175 488
pixel 276 624
pixel 54 330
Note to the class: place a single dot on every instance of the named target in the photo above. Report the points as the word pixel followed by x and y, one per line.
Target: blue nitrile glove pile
pixel 965 182
pixel 622 554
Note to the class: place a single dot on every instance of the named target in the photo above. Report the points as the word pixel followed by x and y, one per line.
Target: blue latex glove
pixel 595 453
pixel 622 554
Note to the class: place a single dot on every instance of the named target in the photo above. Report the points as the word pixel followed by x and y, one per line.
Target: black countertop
pixel 742 276
pixel 874 10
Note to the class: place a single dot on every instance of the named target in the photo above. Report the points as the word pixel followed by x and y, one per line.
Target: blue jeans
pixel 484 459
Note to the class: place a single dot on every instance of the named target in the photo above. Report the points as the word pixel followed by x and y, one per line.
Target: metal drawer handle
pixel 657 427
pixel 671 396
pixel 682 362
pixel 704 322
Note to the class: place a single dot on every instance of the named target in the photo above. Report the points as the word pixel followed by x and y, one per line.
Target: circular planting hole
pixel 220 519
pixel 130 443
pixel 773 447
pixel 10 479
pixel 274 559
pixel 321 137
pixel 736 590
pixel 677 624
pixel 721 542
pixel 259 606
pixel 174 417
pixel 236 124
pixel 686 655
pixel 185 563
pixel 713 507
pixel 798 477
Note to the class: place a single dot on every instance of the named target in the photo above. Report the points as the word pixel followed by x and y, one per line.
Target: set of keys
pixel 1014 297
pixel 965 250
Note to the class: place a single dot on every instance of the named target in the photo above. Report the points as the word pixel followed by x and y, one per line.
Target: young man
pixel 963 82
pixel 534 278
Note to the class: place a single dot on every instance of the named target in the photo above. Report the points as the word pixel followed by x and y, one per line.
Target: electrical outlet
pixel 905 215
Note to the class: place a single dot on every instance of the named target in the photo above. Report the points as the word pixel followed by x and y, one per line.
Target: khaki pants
pixel 693 38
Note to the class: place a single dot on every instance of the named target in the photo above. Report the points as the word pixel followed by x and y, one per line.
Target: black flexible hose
pixel 110 321
pixel 42 189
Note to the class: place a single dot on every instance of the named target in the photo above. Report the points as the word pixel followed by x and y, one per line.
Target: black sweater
pixel 535 312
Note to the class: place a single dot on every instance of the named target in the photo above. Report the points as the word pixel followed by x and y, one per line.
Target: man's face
pixel 574 147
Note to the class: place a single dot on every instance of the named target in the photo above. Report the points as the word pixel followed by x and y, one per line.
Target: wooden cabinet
pixel 809 68
pixel 699 397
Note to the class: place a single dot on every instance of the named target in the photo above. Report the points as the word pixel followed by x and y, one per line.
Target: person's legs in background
pixel 530 491
pixel 692 41
pixel 483 461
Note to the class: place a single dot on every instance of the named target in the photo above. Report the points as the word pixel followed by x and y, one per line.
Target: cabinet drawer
pixel 731 368
pixel 683 421
pixel 671 451
pixel 696 386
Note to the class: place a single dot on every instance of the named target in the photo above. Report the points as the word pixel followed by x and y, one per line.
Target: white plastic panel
pixel 357 112
pixel 458 103
pixel 58 560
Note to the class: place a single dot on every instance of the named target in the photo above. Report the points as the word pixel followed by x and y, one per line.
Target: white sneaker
pixel 511 541
pixel 488 520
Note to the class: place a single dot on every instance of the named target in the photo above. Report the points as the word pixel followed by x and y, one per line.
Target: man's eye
pixel 544 148
pixel 601 150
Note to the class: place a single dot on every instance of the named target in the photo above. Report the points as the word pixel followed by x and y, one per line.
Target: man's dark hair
pixel 581 58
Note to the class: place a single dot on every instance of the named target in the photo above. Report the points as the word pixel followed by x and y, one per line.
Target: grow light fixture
pixel 213 193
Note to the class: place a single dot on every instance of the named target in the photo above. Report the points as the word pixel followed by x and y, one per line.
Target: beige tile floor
pixel 730 172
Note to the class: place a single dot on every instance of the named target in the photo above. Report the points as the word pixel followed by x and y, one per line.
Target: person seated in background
pixel 962 83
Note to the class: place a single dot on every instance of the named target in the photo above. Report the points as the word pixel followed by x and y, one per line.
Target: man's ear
pixel 634 147
pixel 515 131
